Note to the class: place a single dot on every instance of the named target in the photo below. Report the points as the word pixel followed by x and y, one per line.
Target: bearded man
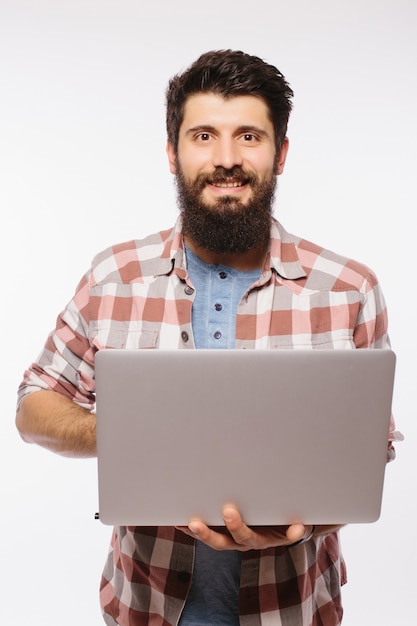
pixel 227 275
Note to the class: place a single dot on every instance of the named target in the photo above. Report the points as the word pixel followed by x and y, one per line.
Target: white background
pixel 82 165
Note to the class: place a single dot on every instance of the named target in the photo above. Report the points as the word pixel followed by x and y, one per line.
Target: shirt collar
pixel 282 255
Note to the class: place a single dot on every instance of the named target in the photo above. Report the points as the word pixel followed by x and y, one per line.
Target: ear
pixel 172 158
pixel 282 157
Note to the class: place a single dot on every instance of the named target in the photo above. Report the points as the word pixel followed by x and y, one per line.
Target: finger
pixel 259 537
pixel 295 532
pixel 212 538
pixel 185 530
pixel 241 533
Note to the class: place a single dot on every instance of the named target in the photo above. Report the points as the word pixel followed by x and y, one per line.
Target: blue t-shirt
pixel 214 593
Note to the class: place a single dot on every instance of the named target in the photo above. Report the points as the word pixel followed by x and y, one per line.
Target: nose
pixel 226 153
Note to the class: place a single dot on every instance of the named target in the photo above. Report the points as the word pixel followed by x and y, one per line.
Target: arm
pixel 55 422
pixel 371 331
pixel 56 396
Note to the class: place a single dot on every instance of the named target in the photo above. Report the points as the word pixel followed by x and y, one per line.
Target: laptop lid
pixel 286 435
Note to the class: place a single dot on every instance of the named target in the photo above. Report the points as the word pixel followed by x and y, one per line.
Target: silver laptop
pixel 286 435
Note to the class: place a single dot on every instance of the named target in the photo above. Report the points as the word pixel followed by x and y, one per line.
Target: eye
pixel 203 137
pixel 249 138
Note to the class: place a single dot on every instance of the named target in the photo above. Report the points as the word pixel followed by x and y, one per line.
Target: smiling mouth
pixel 228 184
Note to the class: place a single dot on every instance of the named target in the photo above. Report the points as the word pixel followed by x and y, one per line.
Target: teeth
pixel 228 184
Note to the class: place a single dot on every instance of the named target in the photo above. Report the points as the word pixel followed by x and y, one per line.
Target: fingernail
pixel 228 516
pixel 194 529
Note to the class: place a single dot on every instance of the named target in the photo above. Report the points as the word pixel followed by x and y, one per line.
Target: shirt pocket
pixel 340 342
pixel 122 336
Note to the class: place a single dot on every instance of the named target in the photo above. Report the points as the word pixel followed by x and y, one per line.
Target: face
pixel 226 167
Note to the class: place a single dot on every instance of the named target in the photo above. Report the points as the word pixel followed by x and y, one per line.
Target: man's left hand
pixel 242 537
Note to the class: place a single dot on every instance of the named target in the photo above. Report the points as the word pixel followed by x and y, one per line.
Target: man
pixel 226 275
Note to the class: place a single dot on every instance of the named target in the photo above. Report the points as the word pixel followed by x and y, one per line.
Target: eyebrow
pixel 201 128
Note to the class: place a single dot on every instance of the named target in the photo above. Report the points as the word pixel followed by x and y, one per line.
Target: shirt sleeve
pixel 66 363
pixel 371 331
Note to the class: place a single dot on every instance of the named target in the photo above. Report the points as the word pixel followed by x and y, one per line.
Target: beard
pixel 227 226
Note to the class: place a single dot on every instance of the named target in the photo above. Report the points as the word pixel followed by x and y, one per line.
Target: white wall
pixel 82 165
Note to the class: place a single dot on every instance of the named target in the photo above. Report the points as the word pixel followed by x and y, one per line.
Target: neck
pixel 251 260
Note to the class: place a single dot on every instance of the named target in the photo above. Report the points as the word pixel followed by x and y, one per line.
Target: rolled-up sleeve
pixel 66 363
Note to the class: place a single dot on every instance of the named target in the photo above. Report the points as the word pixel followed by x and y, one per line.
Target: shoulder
pixel 328 269
pixel 134 259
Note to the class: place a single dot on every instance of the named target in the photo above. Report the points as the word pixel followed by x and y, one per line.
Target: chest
pixel 159 314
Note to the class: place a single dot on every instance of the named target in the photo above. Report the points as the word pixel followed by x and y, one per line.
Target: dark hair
pixel 229 73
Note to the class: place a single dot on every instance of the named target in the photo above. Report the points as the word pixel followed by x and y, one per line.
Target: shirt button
pixel 183 577
pixel 223 275
pixel 217 334
pixel 188 290
pixel 184 336
pixel 218 306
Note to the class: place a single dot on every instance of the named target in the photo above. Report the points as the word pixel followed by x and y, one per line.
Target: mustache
pixel 221 174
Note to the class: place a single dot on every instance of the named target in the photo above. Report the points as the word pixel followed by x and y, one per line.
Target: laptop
pixel 286 435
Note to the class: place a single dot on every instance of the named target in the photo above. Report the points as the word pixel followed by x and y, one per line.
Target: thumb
pixel 295 532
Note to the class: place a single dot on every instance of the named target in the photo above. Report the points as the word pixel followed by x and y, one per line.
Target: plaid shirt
pixel 138 295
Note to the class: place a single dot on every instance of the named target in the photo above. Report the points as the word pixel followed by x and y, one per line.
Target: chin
pixel 226 203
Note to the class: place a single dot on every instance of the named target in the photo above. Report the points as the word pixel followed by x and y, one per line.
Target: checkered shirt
pixel 138 295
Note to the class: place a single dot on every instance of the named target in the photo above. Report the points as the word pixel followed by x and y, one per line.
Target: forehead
pixel 235 111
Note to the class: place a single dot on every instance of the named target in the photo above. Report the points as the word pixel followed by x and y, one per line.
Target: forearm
pixel 55 422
